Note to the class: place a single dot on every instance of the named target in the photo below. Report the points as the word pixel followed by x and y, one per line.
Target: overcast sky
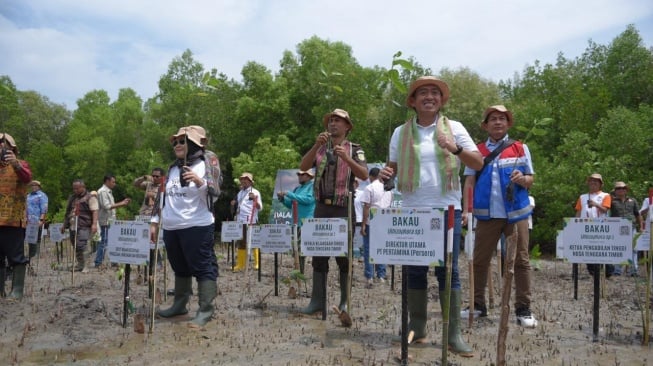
pixel 65 48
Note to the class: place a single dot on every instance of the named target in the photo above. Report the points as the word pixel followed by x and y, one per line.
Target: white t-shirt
pixel 186 206
pixel 429 192
pixel 376 196
pixel 245 205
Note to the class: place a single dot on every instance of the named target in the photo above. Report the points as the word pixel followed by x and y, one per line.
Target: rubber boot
pixel 255 253
pixel 18 282
pixel 80 266
pixel 33 249
pixel 417 304
pixel 240 260
pixel 206 292
pixel 456 343
pixel 3 278
pixel 317 294
pixel 344 281
pixel 183 286
pixel 302 261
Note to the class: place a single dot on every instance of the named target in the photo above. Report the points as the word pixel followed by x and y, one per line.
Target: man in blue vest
pixel 501 206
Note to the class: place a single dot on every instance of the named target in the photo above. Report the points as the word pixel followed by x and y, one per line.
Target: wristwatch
pixel 459 149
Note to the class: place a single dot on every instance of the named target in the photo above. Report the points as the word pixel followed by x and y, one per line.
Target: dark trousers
pixel 321 264
pixel 11 245
pixel 191 252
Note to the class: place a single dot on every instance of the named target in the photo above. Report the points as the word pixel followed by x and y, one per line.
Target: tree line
pixel 598 109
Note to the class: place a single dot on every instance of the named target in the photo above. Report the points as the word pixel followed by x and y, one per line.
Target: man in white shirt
pixel 374 195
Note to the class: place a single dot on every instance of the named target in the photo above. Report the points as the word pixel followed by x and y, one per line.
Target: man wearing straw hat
pixel 15 175
pixel 501 206
pixel 624 206
pixel 337 162
pixel 593 204
pixel 425 154
pixel 37 208
pixel 248 204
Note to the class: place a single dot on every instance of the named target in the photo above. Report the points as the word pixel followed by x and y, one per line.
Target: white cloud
pixel 65 48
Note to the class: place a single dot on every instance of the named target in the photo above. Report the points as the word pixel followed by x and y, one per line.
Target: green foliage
pixel 578 116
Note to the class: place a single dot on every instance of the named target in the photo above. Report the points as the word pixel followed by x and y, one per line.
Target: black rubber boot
pixel 183 286
pixel 317 294
pixel 344 281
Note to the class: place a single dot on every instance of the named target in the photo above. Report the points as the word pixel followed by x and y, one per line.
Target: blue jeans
pixel 417 274
pixel 102 246
pixel 369 267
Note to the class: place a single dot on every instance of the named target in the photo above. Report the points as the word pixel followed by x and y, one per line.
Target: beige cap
pixel 620 185
pixel 498 108
pixel 247 176
pixel 428 80
pixel 7 137
pixel 340 113
pixel 35 183
pixel 596 176
pixel 193 133
pixel 307 172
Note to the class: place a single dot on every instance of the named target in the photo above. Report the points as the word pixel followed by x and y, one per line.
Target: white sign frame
pixel 276 238
pixel 407 236
pixel 605 240
pixel 231 230
pixel 325 237
pixel 129 242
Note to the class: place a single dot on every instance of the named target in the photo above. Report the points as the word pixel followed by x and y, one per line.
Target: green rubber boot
pixel 417 304
pixel 18 282
pixel 183 287
pixel 344 281
pixel 33 250
pixel 456 343
pixel 206 291
pixel 317 294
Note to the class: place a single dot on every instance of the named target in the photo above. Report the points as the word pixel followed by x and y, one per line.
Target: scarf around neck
pixel 342 175
pixel 408 170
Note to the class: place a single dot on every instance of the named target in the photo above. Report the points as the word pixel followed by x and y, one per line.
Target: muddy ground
pixel 58 323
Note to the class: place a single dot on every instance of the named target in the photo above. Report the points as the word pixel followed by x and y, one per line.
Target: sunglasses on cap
pixel 178 142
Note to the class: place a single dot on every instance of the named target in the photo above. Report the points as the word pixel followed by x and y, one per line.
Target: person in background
pixel 15 175
pixel 188 227
pixel 107 214
pixel 337 162
pixel 248 203
pixel 303 195
pixel 501 208
pixel 627 207
pixel 37 208
pixel 150 184
pixel 81 218
pixel 374 195
pixel 594 204
pixel 425 154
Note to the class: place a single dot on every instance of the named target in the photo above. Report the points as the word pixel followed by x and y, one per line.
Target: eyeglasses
pixel 178 142
pixel 619 188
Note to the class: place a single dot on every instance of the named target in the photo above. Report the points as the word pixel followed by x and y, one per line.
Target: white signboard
pixel 324 237
pixel 407 236
pixel 231 230
pixel 129 242
pixel 644 241
pixel 55 233
pixel 276 238
pixel 32 233
pixel 254 232
pixel 598 240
